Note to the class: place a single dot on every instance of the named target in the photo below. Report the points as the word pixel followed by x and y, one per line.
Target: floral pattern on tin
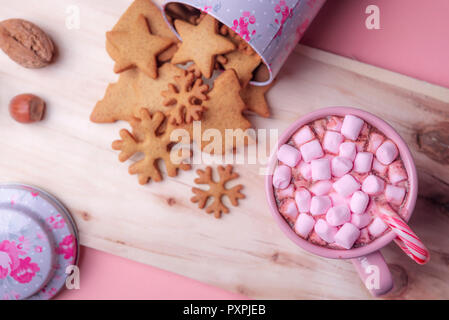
pixel 35 249
pixel 242 25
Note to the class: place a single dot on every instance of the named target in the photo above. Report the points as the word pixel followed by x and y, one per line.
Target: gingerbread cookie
pixel 185 98
pixel 154 147
pixel 134 91
pixel 118 101
pixel 156 22
pixel 255 100
pixel 224 111
pixel 201 44
pixel 243 64
pixel 137 48
pixel 217 190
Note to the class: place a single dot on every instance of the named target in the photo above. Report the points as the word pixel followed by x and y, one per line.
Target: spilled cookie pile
pixel 157 96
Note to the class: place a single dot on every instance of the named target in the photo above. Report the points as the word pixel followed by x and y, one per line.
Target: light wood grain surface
pixel 156 224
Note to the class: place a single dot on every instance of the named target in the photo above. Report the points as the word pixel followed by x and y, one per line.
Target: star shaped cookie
pixel 137 48
pixel 201 44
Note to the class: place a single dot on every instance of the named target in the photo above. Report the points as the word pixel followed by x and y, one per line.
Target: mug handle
pixel 374 272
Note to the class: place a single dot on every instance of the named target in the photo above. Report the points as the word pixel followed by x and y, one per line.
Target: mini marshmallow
pixel 340 166
pixel 359 202
pixel 304 224
pixel 325 231
pixel 394 195
pixel 338 199
pixel 375 140
pixel 348 150
pixel 302 198
pixel 377 227
pixel 396 172
pixel 347 235
pixel 346 185
pixel 289 155
pixel 373 185
pixel 338 215
pixel 288 209
pixel 302 136
pixel 288 192
pixel 282 176
pixel 332 141
pixel 387 152
pixel 320 205
pixel 334 124
pixel 321 188
pixel 351 127
pixel 305 169
pixel 321 169
pixel 379 167
pixel 361 220
pixel 311 150
pixel 363 162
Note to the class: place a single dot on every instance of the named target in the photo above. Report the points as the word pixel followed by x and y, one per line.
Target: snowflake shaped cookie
pixel 185 98
pixel 145 140
pixel 217 190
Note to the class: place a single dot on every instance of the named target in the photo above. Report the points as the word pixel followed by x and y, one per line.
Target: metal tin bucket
pixel 272 27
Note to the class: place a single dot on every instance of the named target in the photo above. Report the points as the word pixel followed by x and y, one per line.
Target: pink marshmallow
pixel 282 176
pixel 351 127
pixel 375 140
pixel 396 172
pixel 379 167
pixel 334 124
pixel 320 205
pixel 325 231
pixel 338 215
pixel 387 152
pixel 288 192
pixel 338 199
pixel 289 155
pixel 361 220
pixel 363 162
pixel 377 227
pixel 304 224
pixel 347 235
pixel 341 166
pixel 306 170
pixel 321 169
pixel 321 188
pixel 302 136
pixel 373 185
pixel 288 209
pixel 346 185
pixel 348 150
pixel 394 195
pixel 311 150
pixel 302 198
pixel 359 202
pixel 332 141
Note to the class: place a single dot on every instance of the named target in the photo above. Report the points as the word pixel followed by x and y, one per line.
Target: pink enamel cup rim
pixel 408 164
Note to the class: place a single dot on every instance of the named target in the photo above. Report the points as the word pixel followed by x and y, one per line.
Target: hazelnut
pixel 27 108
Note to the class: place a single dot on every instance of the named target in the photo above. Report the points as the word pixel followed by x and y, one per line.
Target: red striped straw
pixel 406 239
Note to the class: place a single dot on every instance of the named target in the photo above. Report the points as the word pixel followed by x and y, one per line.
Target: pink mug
pixel 366 257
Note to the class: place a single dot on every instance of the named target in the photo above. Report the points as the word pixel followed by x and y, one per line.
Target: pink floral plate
pixel 38 242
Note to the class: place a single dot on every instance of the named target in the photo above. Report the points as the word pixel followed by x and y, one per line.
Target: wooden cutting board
pixel 244 252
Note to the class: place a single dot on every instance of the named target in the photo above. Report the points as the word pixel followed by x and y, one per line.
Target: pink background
pixel 413 40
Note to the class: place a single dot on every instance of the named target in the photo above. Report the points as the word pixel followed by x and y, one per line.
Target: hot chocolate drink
pixel 331 177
